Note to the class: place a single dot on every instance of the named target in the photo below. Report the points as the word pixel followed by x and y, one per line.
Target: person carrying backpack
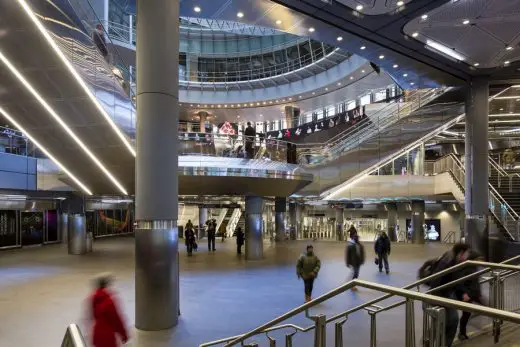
pixel 458 254
pixel 307 268
pixel 382 248
pixel 354 253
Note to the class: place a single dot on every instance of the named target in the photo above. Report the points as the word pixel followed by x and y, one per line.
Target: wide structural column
pixel 203 217
pixel 253 233
pixel 476 201
pixel 392 221
pixel 339 223
pixel 73 225
pixel 280 207
pixel 156 236
pixel 418 221
pixel 293 220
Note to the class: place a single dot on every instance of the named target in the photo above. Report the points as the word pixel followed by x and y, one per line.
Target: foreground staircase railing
pixel 73 337
pixel 433 328
pixel 497 205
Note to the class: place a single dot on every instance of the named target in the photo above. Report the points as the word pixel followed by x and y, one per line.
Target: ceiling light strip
pixel 66 62
pixel 44 150
pixel 54 115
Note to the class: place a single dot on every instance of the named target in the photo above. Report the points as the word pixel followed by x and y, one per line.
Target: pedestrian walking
pixel 307 268
pixel 189 238
pixel 382 247
pixel 240 240
pixel 354 253
pixel 212 231
pixel 108 326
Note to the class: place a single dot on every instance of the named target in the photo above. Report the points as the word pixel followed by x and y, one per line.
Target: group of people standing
pixel 190 237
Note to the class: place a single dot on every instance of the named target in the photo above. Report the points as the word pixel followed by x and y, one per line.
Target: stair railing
pixel 503 175
pixel 497 205
pixel 73 337
pixel 372 307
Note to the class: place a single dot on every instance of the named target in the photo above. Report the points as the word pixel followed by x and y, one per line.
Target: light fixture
pixel 405 75
pixel 476 64
pixel 44 150
pixel 198 105
pixel 197 9
pixel 313 93
pixel 238 116
pixel 339 38
pixel 191 105
pixel 412 84
pixel 300 96
pixel 327 89
pixel 257 104
pixel 443 49
pixel 263 103
pixel 278 22
pixel 290 99
pixel 351 77
pixel 74 73
pixel 339 83
pixel 508 48
pixel 415 34
pixel 400 3
pixel 251 104
pixel 240 14
pixel 62 123
pixel 359 7
pixel 424 17
pixel 395 66
pixel 271 102
pixel 232 105
pixel 501 109
pixel 261 115
pixel 362 47
pixel 381 57
pixel 311 29
pixel 507 62
pixel 218 105
pixel 362 71
pixel 465 21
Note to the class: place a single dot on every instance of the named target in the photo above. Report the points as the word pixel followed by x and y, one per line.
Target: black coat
pixel 240 238
pixel 382 245
pixel 352 256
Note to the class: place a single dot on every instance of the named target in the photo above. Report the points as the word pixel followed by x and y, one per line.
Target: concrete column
pixel 203 217
pixel 339 223
pixel 292 220
pixel 392 221
pixel 156 236
pixel 299 221
pixel 203 116
pixel 253 232
pixel 418 221
pixel 280 207
pixel 64 227
pixel 476 200
pixel 291 113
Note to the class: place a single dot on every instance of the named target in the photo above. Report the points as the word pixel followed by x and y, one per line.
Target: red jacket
pixel 107 321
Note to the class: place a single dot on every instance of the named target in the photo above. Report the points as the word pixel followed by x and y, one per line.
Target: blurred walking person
pixel 240 240
pixel 382 248
pixel 307 268
pixel 212 231
pixel 108 329
pixel 354 253
pixel 189 238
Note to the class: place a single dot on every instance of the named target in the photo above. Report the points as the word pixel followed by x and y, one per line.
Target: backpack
pixel 428 268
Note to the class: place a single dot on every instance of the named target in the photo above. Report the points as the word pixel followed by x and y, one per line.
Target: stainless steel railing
pixel 497 205
pixel 373 308
pixel 73 337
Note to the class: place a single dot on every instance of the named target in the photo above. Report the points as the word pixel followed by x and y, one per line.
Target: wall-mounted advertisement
pixel 431 229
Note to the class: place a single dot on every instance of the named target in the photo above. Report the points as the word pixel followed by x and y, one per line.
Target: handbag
pixel 376 260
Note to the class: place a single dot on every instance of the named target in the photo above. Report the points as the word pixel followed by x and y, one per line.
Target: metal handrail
pixel 73 337
pixel 371 303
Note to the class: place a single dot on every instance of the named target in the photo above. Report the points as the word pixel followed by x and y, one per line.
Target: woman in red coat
pixel 107 320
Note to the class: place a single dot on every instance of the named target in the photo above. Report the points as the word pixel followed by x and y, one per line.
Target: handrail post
pixel 410 323
pixel 288 339
pixel 272 341
pixel 495 298
pixel 338 333
pixel 320 331
pixel 434 327
pixel 373 328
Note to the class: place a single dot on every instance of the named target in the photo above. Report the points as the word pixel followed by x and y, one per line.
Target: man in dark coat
pixel 250 134
pixel 240 240
pixel 382 248
pixel 354 253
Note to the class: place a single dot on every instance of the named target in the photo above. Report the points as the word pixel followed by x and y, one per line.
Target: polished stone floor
pixel 43 289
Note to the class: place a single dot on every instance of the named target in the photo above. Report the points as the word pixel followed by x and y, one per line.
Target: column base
pixel 156 275
pixel 477 234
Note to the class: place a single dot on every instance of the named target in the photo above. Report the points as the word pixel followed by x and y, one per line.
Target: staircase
pixel 507 184
pixel 223 226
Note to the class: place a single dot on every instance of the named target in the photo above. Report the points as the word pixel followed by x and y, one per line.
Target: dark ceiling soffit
pixel 342 17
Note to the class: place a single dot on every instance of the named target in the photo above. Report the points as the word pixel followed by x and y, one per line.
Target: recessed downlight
pixel 507 62
pixel 412 83
pixel 351 77
pixel 381 57
pixel 415 34
pixel 327 89
pixel 400 3
pixel 362 71
pixel 197 9
pixel 300 96
pixel 424 17
pixel 339 38
pixel 311 29
pixel 359 7
pixel 405 75
pixel 395 66
pixel 240 14
pixel 465 21
pixel 278 22
pixel 476 64
pixel 339 83
pixel 238 116
pixel 313 93
pixel 509 48
pixel 362 48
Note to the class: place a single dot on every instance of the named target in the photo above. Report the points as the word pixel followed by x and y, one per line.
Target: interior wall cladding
pixel 109 222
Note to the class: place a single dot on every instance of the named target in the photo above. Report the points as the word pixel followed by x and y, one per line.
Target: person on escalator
pixel 99 40
pixel 307 268
pixel 108 325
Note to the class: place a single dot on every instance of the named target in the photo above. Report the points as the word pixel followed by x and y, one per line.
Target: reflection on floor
pixel 42 290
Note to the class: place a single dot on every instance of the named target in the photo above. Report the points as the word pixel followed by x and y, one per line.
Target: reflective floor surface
pixel 43 289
